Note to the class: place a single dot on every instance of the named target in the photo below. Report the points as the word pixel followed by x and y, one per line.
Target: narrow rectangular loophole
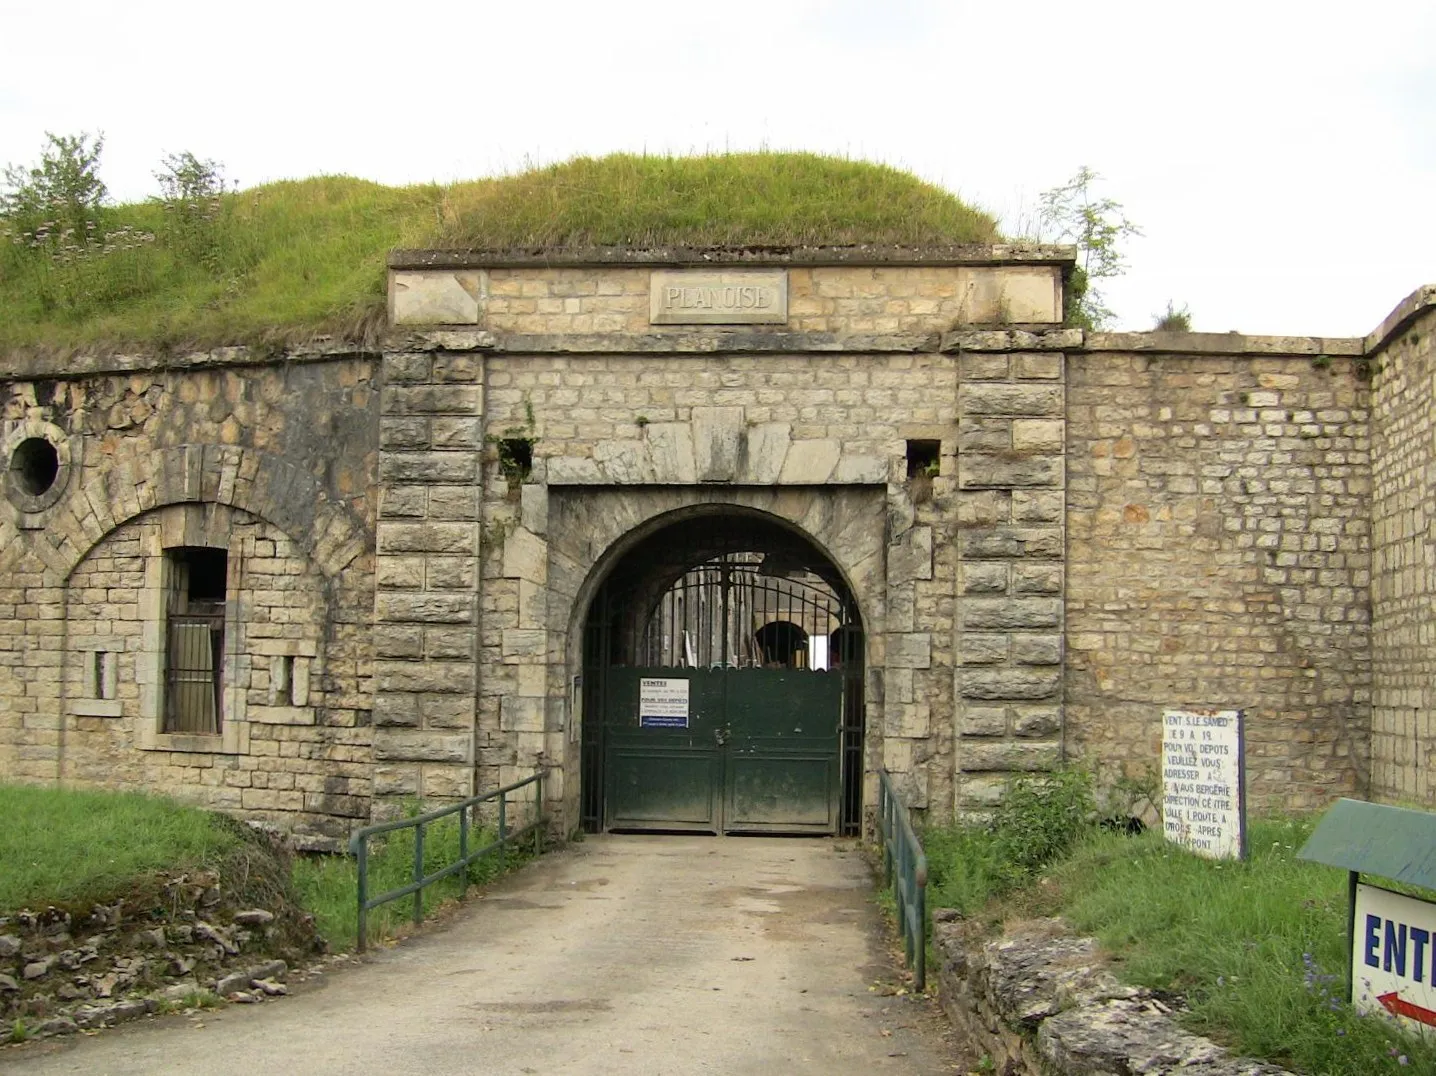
pixel 923 458
pixel 100 678
pixel 106 680
pixel 282 673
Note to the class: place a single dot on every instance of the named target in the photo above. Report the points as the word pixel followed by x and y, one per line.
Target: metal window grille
pixel 194 640
pixel 194 671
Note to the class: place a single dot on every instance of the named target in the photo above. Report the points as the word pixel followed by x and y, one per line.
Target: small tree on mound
pixel 60 197
pixel 192 193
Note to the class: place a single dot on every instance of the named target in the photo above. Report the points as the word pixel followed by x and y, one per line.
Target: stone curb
pixel 1038 1002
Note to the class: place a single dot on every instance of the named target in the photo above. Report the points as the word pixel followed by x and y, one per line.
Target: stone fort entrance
pixel 723 683
pixel 844 509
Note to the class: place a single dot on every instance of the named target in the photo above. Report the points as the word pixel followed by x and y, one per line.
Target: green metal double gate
pixel 722 750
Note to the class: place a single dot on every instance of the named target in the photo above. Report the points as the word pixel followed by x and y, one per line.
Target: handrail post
pixel 464 851
pixel 503 818
pixel 363 917
pixel 538 814
pixel 920 899
pixel 419 873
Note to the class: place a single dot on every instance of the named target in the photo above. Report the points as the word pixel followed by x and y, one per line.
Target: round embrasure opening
pixel 34 466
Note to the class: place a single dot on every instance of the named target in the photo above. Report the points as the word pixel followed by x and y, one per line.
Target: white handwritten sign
pixel 1204 801
pixel 662 703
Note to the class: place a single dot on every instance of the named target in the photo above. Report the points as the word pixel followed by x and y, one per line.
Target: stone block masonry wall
pixel 303 759
pixel 822 299
pixel 426 623
pixel 646 422
pixel 1007 533
pixel 273 462
pixel 1218 555
pixel 1403 584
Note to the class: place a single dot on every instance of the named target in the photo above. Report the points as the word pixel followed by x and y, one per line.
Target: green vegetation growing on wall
pixel 202 265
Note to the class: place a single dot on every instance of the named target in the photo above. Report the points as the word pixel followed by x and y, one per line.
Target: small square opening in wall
pixel 516 458
pixel 923 458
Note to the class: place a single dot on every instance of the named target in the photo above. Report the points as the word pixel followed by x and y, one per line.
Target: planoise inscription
pixel 737 298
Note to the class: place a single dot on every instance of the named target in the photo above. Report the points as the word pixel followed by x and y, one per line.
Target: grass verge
pixel 1257 949
pixel 287 261
pixel 328 886
pixel 71 848
pixel 63 846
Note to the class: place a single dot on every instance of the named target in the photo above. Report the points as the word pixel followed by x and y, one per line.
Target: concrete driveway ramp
pixel 622 954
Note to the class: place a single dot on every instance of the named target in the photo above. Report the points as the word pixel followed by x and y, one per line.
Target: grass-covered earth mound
pixel 289 261
pixel 114 905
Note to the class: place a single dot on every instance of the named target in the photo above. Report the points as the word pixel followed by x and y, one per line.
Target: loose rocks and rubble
pixel 168 941
pixel 1039 1001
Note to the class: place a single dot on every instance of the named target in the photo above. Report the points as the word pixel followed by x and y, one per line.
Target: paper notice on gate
pixel 662 703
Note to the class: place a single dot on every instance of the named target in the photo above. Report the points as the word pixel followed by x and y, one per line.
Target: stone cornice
pixel 692 257
pixel 22 366
pixel 1166 343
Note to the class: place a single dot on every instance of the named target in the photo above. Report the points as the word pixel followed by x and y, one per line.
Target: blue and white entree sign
pixel 1393 959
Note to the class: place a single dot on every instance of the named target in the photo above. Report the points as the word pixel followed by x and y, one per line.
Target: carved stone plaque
pixel 741 297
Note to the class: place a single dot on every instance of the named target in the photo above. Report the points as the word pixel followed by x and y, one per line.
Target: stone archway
pixel 652 602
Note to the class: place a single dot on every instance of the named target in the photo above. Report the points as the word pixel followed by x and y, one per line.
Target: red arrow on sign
pixel 1393 1004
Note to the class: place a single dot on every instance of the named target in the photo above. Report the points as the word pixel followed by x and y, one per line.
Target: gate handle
pixel 720 736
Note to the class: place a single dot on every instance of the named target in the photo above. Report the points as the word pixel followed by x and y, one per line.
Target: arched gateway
pixel 723 683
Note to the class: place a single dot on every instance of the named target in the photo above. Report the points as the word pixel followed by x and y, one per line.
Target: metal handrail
pixel 359 848
pixel 905 870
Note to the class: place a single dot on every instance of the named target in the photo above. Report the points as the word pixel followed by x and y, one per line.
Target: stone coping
pixel 1407 310
pixel 726 341
pixel 855 255
pixel 26 365
pixel 20 366
pixel 1169 343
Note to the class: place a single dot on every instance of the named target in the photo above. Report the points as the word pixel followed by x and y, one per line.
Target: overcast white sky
pixel 1280 157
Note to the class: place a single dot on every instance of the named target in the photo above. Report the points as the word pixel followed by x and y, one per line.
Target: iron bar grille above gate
pixel 738 611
